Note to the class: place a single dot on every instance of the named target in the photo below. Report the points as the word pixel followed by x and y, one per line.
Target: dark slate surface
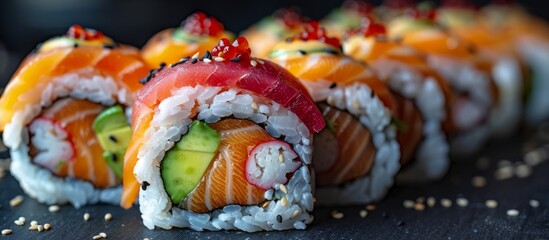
pixel 389 221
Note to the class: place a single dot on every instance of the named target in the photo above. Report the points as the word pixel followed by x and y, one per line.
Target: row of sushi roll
pixel 209 131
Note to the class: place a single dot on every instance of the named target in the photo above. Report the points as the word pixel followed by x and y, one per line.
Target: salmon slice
pixel 224 182
pixel 354 149
pixel 25 88
pixel 76 118
pixel 409 124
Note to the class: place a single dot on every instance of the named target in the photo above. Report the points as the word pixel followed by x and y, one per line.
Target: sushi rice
pixel 39 182
pixel 171 121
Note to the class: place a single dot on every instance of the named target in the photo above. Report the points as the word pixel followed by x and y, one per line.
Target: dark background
pixel 25 23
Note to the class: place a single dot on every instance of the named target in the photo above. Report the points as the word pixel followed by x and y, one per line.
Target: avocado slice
pixel 185 164
pixel 113 132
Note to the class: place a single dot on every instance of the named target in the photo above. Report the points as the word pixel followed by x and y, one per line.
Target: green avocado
pixel 185 164
pixel 113 132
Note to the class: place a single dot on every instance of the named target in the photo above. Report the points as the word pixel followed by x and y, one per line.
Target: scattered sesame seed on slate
pixel 512 213
pixel 491 203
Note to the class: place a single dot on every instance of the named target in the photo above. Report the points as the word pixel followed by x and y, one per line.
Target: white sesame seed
pixel 103 235
pixel 419 206
pixel 253 63
pixel 18 223
pixel 504 173
pixel 491 203
pixel 408 203
pixel 523 171
pixel 219 59
pixel 462 202
pixel 260 61
pixel 108 217
pixel 196 55
pixel 283 188
pixel 33 227
pixel 6 232
pixel 535 157
pixel 96 237
pixel 40 228
pixel 146 239
pixel 54 208
pixel 296 213
pixel 431 201
pixel 337 214
pixel 512 212
pixel 281 158
pixel 22 219
pixel 33 222
pixel 478 181
pixel 47 226
pixel 363 213
pixel 16 201
pixel 86 217
pixel 284 201
pixel 371 207
pixel 445 202
pixel 265 204
pixel 534 203
pixel 254 106
pixel 206 60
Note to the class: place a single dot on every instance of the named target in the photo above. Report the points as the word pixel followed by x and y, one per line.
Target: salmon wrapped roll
pixel 222 142
pixel 272 29
pixel 467 73
pixel 464 20
pixel 63 114
pixel 421 93
pixel 356 156
pixel 197 33
pixel 348 16
pixel 529 37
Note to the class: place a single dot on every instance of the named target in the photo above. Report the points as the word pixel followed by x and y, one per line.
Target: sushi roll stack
pixel 220 142
pixel 421 93
pixel 197 33
pixel 63 114
pixel 356 156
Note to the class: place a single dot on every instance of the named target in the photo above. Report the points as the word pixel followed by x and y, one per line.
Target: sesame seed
pixel 279 218
pixel 16 201
pixel 371 207
pixel 420 199
pixel 512 212
pixel 236 59
pixel 284 201
pixel 33 227
pixel 535 157
pixel 333 85
pixel 146 239
pixel 104 235
pixel 363 213
pixel 478 181
pixel 445 202
pixel 47 226
pixel 431 201
pixel 254 106
pixel 534 203
pixel 260 61
pixel 207 60
pixel 400 223
pixel 196 55
pixel 219 59
pixel 108 217
pixel 281 158
pixel 86 217
pixel 6 232
pixel 491 203
pixel 302 52
pixel 419 206
pixel 207 55
pixel 504 173
pixel 296 213
pixel 195 60
pixel 462 202
pixel 33 223
pixel 53 208
pixel 337 214
pixel 283 188
pixel 253 63
pixel 265 204
pixel 96 237
pixel 40 228
pixel 523 170
pixel 408 203
pixel 504 163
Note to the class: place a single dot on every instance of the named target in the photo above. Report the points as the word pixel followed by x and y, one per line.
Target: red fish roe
pixel 78 32
pixel 238 50
pixel 313 31
pixel 201 24
pixel 369 27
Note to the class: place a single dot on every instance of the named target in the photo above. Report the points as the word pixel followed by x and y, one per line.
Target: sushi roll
pixel 422 108
pixel 529 37
pixel 197 33
pixel 222 142
pixel 272 29
pixel 390 9
pixel 357 156
pixel 63 114
pixel 468 74
pixel 464 20
pixel 348 16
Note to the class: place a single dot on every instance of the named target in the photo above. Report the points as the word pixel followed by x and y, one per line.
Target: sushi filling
pixel 281 206
pixel 52 144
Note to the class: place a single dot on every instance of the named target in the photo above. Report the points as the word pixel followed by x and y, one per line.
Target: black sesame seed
pixel 236 59
pixel 279 218
pixel 331 51
pixel 144 185
pixel 372 94
pixel 110 46
pixel 112 138
pixel 183 60
pixel 207 55
pixel 75 45
pixel 302 52
pixel 162 65
pixel 114 158
pixel 333 85
pixel 400 223
pixel 195 60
